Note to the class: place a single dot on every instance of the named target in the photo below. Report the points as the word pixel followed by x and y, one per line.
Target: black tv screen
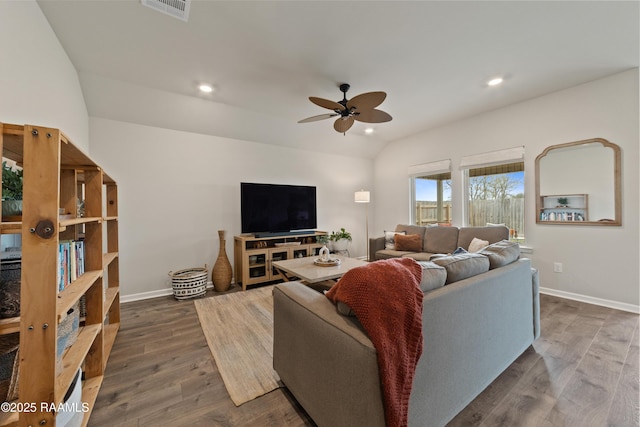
pixel 273 208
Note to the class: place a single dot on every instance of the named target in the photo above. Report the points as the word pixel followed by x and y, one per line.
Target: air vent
pixel 176 8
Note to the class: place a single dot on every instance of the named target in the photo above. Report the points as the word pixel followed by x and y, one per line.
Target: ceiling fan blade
pixel 316 118
pixel 343 124
pixel 366 101
pixel 372 116
pixel 325 103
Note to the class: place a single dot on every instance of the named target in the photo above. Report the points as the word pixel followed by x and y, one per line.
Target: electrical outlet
pixel 557 267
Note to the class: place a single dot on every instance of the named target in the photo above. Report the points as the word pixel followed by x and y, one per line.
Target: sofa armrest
pixel 375 244
pixel 325 359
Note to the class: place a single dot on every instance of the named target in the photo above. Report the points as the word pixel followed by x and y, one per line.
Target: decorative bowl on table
pixel 331 262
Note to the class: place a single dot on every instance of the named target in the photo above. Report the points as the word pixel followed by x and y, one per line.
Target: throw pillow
pixel 433 276
pixel 462 266
pixel 501 253
pixel 477 245
pixel 389 239
pixel 411 242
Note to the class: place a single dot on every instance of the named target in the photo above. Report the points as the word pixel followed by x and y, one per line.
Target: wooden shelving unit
pixel 253 255
pixel 56 175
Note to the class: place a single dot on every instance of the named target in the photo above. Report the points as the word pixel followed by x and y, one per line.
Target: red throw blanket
pixel 387 300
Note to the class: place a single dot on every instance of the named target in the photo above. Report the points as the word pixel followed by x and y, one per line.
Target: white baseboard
pixel 592 300
pixel 152 294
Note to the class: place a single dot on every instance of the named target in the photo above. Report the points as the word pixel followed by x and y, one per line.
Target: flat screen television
pixel 275 208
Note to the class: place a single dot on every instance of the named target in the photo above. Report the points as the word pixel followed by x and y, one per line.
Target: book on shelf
pixel 70 262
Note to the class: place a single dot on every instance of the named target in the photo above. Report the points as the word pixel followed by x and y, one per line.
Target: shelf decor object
pixel 222 273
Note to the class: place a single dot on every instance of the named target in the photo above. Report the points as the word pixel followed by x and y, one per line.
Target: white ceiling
pixel 266 58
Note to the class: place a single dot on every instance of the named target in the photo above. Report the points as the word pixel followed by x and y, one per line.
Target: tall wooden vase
pixel 221 273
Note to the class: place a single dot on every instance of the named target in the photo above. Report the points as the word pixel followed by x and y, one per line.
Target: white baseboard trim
pixel 152 294
pixel 592 300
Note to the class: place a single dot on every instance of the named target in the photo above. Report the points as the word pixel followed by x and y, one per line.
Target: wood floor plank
pixel 161 373
pixel 625 408
pixel 587 398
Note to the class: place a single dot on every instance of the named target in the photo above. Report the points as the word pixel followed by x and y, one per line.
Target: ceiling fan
pixel 361 108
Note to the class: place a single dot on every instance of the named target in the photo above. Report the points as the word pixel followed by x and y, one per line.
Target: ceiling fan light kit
pixel 361 108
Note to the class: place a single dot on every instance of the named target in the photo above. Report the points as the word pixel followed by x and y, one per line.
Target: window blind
pixel 509 155
pixel 430 168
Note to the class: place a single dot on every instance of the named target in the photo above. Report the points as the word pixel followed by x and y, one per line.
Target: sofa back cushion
pixel 501 253
pixel 411 229
pixel 491 234
pixel 433 276
pixel 440 240
pixel 462 266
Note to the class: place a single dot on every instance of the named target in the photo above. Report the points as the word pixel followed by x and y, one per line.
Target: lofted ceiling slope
pixel 265 58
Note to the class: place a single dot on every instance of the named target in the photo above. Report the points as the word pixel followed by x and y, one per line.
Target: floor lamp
pixel 363 196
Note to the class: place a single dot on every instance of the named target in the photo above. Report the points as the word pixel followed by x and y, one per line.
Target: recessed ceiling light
pixel 205 88
pixel 495 82
pixel 368 130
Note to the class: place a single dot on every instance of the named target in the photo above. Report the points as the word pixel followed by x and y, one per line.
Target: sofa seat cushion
pixel 501 253
pixel 433 276
pixel 462 266
pixel 419 256
pixel 391 253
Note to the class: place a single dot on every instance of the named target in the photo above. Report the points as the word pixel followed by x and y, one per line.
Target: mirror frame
pixel 617 183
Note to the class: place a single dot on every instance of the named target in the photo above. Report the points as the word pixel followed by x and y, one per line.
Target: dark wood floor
pixel 582 371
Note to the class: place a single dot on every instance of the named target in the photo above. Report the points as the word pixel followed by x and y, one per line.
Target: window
pixel 431 193
pixel 494 189
pixel 432 199
pixel 495 195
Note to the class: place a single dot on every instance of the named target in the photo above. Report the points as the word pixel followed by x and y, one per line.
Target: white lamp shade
pixel 361 196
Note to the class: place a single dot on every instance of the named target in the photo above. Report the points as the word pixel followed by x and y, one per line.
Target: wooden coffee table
pixel 308 272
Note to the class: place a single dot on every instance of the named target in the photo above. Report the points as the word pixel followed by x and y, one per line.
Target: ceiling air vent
pixel 176 8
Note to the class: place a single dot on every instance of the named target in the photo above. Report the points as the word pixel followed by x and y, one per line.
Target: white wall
pixel 38 83
pixel 600 263
pixel 176 189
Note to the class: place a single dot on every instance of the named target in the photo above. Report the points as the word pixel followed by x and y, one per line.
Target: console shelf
pixel 253 255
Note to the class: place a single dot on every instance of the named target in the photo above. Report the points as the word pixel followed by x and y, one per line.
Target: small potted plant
pixel 322 239
pixel 563 202
pixel 11 191
pixel 340 240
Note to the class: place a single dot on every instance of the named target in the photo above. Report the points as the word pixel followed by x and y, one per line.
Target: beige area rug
pixel 239 330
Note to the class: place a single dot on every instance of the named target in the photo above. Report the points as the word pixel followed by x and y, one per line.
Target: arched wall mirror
pixel 579 183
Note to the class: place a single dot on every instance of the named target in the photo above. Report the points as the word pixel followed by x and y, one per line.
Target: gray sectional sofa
pixel 475 324
pixel 435 240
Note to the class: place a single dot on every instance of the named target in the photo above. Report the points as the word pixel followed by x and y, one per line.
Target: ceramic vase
pixel 221 273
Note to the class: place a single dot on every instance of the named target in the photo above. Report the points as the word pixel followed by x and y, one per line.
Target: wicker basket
pixel 189 283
